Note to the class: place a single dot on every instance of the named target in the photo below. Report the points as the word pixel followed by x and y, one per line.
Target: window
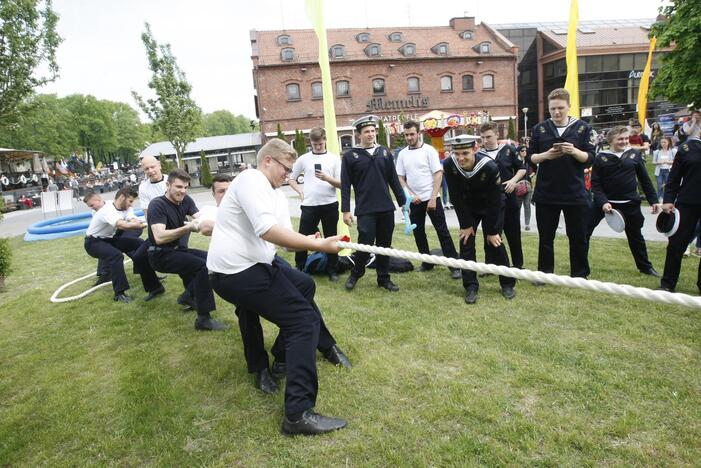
pixel 287 55
pixel 317 92
pixel 610 63
pixel 337 51
pixel 284 39
pixel 408 50
pixel 485 48
pixel 363 37
pixel 446 83
pixel 440 49
pixel 342 88
pixel 395 37
pixel 625 61
pixel 593 64
pixel 413 85
pixel 468 83
pixel 640 61
pixel 293 92
pixel 378 86
pixel 373 50
pixel 467 35
pixel 488 82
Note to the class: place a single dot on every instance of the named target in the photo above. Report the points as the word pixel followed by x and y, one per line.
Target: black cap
pixel 668 223
pixel 462 141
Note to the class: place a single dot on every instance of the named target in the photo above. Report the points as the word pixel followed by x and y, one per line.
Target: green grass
pixel 554 377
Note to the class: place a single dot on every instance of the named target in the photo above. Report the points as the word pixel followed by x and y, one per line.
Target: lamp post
pixel 525 123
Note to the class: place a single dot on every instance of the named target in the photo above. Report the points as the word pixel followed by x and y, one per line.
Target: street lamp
pixel 525 122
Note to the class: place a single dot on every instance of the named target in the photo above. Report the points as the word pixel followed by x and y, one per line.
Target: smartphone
pixel 317 167
pixel 557 145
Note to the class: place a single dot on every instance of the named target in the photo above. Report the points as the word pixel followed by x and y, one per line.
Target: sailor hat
pixel 462 141
pixel 668 223
pixel 365 121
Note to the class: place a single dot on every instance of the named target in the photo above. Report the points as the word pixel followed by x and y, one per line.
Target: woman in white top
pixel 662 160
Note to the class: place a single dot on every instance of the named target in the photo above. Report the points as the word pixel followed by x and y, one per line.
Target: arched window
pixel 338 51
pixel 284 39
pixel 293 92
pixel 440 48
pixel 467 35
pixel 408 50
pixel 446 83
pixel 413 85
pixel 287 54
pixel 395 37
pixel 485 48
pixel 373 50
pixel 488 81
pixel 468 83
pixel 342 88
pixel 363 37
pixel 317 92
pixel 378 87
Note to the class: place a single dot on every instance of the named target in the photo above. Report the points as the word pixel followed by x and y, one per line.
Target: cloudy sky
pixel 102 53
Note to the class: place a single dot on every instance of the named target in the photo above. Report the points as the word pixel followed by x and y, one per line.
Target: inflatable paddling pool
pixel 62 226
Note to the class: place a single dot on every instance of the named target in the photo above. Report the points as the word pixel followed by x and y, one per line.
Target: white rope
pixel 56 299
pixel 536 276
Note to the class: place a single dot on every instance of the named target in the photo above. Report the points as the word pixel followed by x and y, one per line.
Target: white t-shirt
pixel 316 191
pixel 207 213
pixel 418 166
pixel 149 190
pixel 250 207
pixel 104 221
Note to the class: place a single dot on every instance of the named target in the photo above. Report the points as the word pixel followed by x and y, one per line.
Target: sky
pixel 102 53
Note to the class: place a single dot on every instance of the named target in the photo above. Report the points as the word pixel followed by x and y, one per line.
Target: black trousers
pixel 417 215
pixel 634 220
pixel 308 224
pixel 375 229
pixel 493 255
pixel 111 252
pixel 191 266
pixel 690 216
pixel 512 228
pixel 271 291
pixel 576 220
pixel 252 331
pixel 103 267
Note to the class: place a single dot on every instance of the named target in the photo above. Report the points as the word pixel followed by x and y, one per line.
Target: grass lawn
pixel 554 377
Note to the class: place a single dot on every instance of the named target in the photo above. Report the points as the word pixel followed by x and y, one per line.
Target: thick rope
pixel 56 299
pixel 535 276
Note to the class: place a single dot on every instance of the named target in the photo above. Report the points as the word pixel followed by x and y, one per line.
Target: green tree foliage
pixel 28 42
pixel 205 173
pixel 173 111
pixel 167 165
pixel 223 122
pixel 5 253
pixel 280 135
pixel 511 132
pixel 381 134
pixel 679 77
pixel 300 144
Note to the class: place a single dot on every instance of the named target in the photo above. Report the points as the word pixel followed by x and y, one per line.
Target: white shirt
pixel 418 166
pixel 207 212
pixel 250 207
pixel 316 191
pixel 104 221
pixel 149 190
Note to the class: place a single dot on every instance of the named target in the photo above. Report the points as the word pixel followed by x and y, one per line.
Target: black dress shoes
pixel 102 279
pixel 471 296
pixel 312 423
pixel 122 297
pixel 209 324
pixel 455 273
pixel 426 267
pixel 155 293
pixel 333 277
pixel 186 300
pixel 351 282
pixel 389 286
pixel 508 292
pixel 336 357
pixel 265 382
pixel 279 370
pixel 651 272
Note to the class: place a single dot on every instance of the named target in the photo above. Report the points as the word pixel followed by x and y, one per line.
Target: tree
pixel 28 42
pixel 300 144
pixel 167 165
pixel 280 135
pixel 511 133
pixel 5 253
pixel 381 134
pixel 679 77
pixel 205 173
pixel 92 120
pixel 223 122
pixel 173 111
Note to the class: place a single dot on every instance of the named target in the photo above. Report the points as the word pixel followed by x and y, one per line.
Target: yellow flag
pixel 572 81
pixel 644 82
pixel 315 13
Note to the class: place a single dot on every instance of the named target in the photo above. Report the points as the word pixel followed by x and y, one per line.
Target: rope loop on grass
pixel 55 299
pixel 534 276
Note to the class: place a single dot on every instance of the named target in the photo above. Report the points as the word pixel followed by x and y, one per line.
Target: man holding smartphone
pixel 322 176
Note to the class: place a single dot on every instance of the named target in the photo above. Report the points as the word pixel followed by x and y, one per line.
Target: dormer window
pixel 373 50
pixel 483 48
pixel 440 48
pixel 287 54
pixel 284 39
pixel 395 37
pixel 408 50
pixel 338 51
pixel 467 35
pixel 363 37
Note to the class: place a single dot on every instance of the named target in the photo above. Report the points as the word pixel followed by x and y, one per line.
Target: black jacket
pixel 614 178
pixel 508 161
pixel 684 183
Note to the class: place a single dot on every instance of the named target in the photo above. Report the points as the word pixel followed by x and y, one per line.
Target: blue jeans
pixel 661 181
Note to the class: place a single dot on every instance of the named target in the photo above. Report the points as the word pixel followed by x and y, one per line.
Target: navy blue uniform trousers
pixel 576 220
pixel 689 217
pixel 417 215
pixel 375 229
pixel 493 255
pixel 309 224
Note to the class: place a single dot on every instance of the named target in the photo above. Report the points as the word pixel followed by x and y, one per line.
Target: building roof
pixel 631 35
pixel 592 24
pixel 241 140
pixel 305 45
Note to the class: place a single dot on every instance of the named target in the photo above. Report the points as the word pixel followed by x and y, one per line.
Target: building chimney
pixel 462 24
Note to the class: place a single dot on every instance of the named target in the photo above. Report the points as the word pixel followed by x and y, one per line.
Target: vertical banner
pixel 315 13
pixel 572 81
pixel 644 83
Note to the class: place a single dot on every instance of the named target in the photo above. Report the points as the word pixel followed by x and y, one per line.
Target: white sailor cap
pixel 462 141
pixel 365 121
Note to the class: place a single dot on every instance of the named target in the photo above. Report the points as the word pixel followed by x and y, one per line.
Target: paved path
pixel 17 222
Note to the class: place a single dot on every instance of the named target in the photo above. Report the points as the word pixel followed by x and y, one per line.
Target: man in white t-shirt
pixel 421 174
pixel 243 272
pixel 103 242
pixel 154 185
pixel 322 176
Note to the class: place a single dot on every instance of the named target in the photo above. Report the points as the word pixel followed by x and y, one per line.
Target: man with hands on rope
pixel 477 195
pixel 104 241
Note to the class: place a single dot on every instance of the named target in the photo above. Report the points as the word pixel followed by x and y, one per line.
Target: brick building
pixel 464 68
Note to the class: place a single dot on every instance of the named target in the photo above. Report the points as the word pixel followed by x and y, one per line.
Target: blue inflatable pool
pixel 62 226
